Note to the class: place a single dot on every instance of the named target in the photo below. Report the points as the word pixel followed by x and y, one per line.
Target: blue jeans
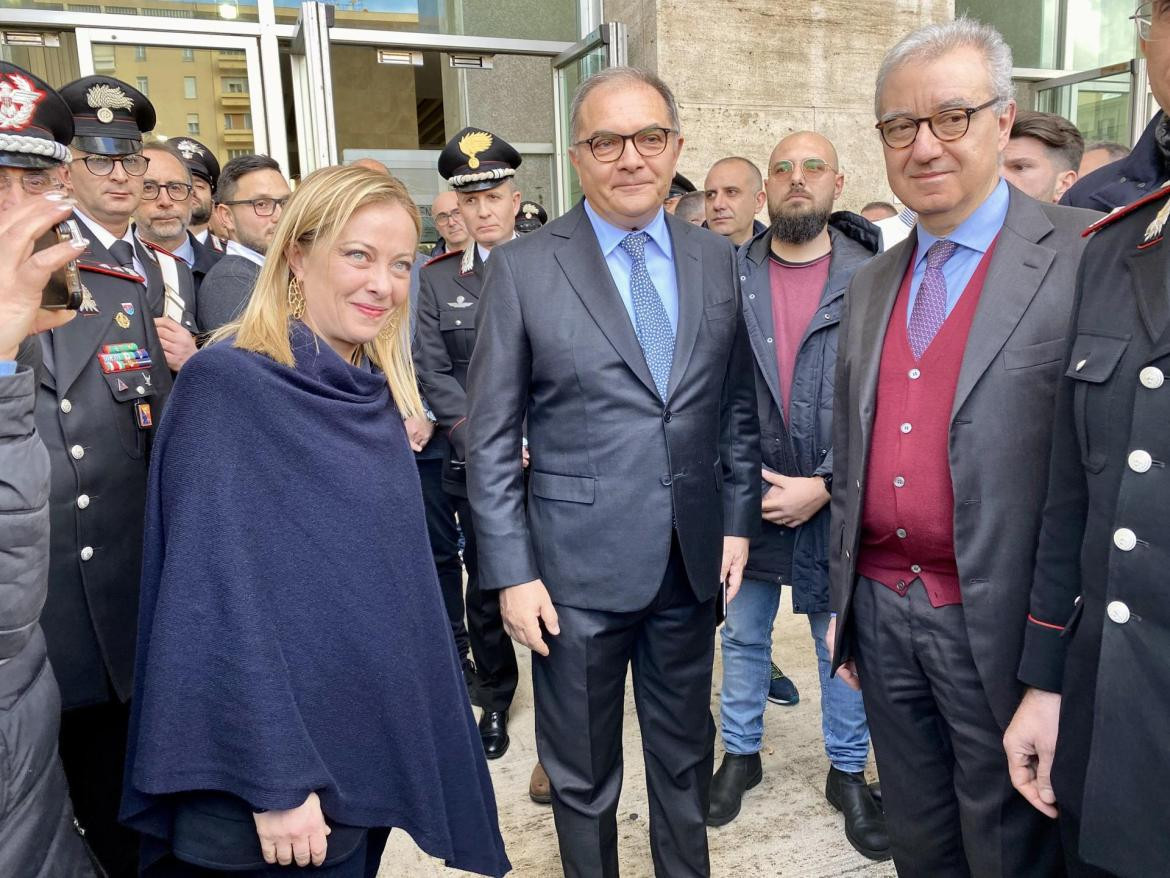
pixel 747 656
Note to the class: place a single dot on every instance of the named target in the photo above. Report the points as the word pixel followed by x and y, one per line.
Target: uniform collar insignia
pixel 472 144
pixel 107 98
pixel 467 265
pixel 1154 229
pixel 18 100
pixel 88 304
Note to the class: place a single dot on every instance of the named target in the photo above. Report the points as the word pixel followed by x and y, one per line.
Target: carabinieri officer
pixel 1097 649
pixel 101 397
pixel 480 167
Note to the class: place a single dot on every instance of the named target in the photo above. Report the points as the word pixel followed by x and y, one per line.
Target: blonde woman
pixel 298 692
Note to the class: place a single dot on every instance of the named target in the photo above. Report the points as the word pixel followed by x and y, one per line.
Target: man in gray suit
pixel 617 333
pixel 951 351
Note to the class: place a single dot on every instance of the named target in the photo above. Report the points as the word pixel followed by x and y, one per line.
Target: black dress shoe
pixel 493 731
pixel 735 776
pixel 865 822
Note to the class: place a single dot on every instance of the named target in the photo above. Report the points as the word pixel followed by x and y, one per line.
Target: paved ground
pixel 786 827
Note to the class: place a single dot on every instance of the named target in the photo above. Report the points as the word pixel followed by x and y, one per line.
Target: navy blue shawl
pixel 292 636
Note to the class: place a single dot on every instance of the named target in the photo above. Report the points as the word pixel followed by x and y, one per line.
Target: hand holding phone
pixel 63 291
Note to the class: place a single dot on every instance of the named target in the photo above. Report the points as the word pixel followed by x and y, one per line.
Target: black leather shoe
pixel 493 731
pixel 735 776
pixel 865 822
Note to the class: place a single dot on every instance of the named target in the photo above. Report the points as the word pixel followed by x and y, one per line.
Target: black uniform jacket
pixel 1099 625
pixel 448 302
pixel 97 424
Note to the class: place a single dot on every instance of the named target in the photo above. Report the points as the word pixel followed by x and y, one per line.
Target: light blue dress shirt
pixel 186 252
pixel 7 367
pixel 659 261
pixel 974 235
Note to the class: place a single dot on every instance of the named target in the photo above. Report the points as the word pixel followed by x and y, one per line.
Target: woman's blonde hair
pixel 315 216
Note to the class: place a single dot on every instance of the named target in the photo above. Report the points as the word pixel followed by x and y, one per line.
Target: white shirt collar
pixel 106 237
pixel 484 254
pixel 235 248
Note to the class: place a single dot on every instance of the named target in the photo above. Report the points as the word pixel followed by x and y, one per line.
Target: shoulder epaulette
pixel 1125 210
pixel 102 268
pixel 444 255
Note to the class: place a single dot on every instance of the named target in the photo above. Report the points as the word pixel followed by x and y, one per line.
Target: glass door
pixel 211 93
pixel 1103 102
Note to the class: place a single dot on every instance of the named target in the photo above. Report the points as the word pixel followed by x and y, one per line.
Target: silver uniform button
pixel 1125 539
pixel 83 501
pixel 899 481
pixel 66 406
pixel 1118 612
pixel 140 390
pixel 915 374
pixel 1080 365
pixel 1151 377
pixel 1140 461
pixel 86 553
pixel 77 451
pixel 458 322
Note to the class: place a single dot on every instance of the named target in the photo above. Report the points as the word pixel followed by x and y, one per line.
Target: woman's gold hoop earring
pixel 296 298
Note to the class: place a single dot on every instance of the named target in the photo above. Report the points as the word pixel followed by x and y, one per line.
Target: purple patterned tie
pixel 930 305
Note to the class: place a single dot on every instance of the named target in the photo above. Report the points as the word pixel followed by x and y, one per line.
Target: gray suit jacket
pixel 225 291
pixel 1000 429
pixel 612 465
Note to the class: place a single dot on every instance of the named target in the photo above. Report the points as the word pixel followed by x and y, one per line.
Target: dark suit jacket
pixel 1000 430
pixel 225 291
pixel 205 257
pixel 611 464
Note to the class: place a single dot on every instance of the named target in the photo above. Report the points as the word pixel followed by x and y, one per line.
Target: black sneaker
pixel 782 690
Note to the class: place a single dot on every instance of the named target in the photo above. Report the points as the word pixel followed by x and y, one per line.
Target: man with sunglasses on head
pixel 794 275
pixel 951 350
pixel 249 197
pixel 165 249
pixel 100 399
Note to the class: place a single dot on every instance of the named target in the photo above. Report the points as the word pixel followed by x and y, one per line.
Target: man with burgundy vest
pixel 952 347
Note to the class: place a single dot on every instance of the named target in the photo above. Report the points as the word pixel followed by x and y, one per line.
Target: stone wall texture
pixel 748 72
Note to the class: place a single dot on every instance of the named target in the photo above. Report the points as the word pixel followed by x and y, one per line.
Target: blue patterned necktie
pixel 652 325
pixel 930 305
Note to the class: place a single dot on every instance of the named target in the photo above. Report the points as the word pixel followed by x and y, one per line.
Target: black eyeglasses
pixel 946 125
pixel 32 182
pixel 649 142
pixel 176 191
pixel 262 206
pixel 103 165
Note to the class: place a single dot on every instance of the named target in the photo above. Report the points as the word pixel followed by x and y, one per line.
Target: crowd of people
pixel 281 491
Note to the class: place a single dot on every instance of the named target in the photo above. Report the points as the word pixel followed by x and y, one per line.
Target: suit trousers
pixel 491 647
pixel 93 751
pixel 579 690
pixel 950 807
pixel 443 530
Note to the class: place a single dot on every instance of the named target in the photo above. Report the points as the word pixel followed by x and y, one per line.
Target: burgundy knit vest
pixel 907 522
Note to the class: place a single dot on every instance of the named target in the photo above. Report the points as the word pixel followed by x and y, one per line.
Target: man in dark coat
pixel 449 291
pixel 105 382
pixel 948 364
pixel 1125 181
pixel 36 817
pixel 794 276
pixel 1098 629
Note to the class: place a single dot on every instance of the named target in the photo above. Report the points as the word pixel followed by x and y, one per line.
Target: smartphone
pixel 721 606
pixel 63 291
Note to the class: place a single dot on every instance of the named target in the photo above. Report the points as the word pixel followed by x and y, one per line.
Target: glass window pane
pixel 224 10
pixel 571 78
pixel 1030 27
pixel 516 19
pixel 55 64
pixel 1100 108
pixel 1103 33
pixel 188 85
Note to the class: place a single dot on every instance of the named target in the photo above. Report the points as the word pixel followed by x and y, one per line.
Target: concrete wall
pixel 748 72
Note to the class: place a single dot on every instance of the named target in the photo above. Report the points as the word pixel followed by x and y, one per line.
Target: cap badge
pixel 107 98
pixel 529 211
pixel 188 149
pixel 472 144
pixel 18 100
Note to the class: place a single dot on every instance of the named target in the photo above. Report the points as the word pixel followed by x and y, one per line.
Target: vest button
pixel 915 374
pixel 77 452
pixel 1140 461
pixel 83 501
pixel 1125 539
pixel 1118 612
pixel 899 482
pixel 1151 377
pixel 66 406
pixel 666 416
pixel 906 428
pixel 915 568
pixel 901 532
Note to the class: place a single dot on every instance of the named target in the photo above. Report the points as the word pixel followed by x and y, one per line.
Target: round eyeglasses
pixel 103 165
pixel 946 125
pixel 810 167
pixel 608 147
pixel 176 191
pixel 262 206
pixel 32 182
